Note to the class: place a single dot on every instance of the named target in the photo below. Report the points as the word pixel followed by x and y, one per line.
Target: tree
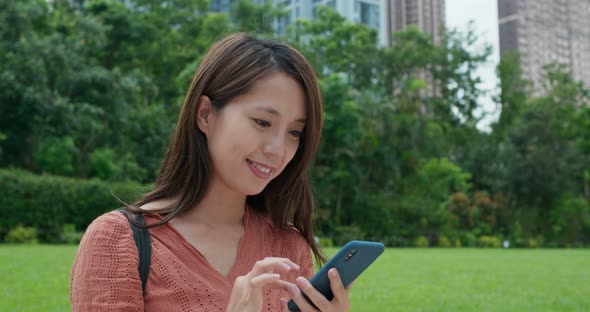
pixel 514 91
pixel 541 157
pixel 334 45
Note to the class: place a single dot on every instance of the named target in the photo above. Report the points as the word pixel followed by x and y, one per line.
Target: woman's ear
pixel 205 114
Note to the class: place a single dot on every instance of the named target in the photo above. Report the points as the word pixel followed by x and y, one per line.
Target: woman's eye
pixel 261 122
pixel 296 133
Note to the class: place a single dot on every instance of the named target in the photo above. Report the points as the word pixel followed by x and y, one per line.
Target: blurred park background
pixel 90 90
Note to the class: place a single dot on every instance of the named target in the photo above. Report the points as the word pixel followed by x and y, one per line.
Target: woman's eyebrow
pixel 273 111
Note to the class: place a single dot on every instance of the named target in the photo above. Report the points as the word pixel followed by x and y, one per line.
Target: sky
pixel 484 13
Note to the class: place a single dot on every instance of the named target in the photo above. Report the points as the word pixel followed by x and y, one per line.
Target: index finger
pixel 273 264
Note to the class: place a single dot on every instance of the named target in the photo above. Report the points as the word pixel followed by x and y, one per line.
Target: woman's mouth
pixel 260 170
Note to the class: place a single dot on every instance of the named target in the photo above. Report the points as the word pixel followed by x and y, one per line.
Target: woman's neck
pixel 219 206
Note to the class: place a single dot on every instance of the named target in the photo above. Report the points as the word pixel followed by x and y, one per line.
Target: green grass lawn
pixel 36 278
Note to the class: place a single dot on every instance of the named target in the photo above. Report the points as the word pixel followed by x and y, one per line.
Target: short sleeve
pixel 104 275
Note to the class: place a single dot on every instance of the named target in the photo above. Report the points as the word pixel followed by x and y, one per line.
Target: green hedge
pixel 47 202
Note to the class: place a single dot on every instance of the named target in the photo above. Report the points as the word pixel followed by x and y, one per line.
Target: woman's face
pixel 253 138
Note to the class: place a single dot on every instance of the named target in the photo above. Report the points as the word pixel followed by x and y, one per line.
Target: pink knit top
pixel 104 276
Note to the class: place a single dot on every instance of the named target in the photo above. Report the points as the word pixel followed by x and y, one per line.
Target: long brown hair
pixel 229 69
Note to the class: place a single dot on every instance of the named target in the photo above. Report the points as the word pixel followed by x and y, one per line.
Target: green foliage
pixel 326 242
pixel 468 239
pixel 571 220
pixel 513 90
pixel 102 163
pixel 47 203
pixel 443 241
pixel 255 18
pixel 421 242
pixel 56 156
pixel 2 138
pixel 69 234
pixel 533 243
pixel 541 159
pixel 427 194
pixel 441 178
pixel 456 60
pixel 91 90
pixel 334 45
pixel 489 242
pixel 344 234
pixel 21 235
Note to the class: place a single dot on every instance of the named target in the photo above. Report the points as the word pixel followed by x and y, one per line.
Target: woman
pixel 234 175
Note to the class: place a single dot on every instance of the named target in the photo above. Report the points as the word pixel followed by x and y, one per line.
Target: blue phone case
pixel 350 262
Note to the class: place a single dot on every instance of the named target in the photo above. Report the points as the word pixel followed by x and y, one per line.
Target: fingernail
pixel 301 281
pixel 333 272
pixel 293 289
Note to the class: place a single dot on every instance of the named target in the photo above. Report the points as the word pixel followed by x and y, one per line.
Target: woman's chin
pixel 252 190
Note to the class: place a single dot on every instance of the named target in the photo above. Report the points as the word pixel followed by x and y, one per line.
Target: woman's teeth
pixel 259 167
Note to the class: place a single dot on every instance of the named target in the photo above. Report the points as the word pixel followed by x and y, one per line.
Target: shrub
pixel 56 155
pixel 344 234
pixel 48 202
pixel 22 235
pixel 462 212
pixel 107 165
pixel 326 242
pixel 395 241
pixel 468 239
pixel 443 241
pixel 570 220
pixel 69 235
pixel 421 241
pixel 518 236
pixel 535 242
pixel 2 138
pixel 490 242
pixel 102 163
pixel 458 243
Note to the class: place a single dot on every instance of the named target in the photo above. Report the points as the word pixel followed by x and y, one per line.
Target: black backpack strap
pixel 143 242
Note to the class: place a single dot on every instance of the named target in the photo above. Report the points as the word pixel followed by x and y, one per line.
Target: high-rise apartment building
pixel 368 12
pixel 428 15
pixel 385 16
pixel 547 31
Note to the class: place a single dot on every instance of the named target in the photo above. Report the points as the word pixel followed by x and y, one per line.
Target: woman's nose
pixel 275 145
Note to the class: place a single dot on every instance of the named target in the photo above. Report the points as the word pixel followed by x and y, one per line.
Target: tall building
pixel 428 15
pixel 547 31
pixel 368 12
pixel 226 5
pixel 385 16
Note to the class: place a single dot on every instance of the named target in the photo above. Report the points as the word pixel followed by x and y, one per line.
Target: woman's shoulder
pixel 106 227
pixel 113 218
pixel 103 273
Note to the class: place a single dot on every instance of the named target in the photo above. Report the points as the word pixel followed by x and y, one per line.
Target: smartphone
pixel 350 261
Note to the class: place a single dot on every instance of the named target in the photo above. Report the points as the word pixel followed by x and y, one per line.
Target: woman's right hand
pixel 247 293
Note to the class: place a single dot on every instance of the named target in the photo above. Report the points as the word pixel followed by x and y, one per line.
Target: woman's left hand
pixel 340 302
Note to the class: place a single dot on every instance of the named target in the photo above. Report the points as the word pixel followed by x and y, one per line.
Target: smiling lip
pixel 260 170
